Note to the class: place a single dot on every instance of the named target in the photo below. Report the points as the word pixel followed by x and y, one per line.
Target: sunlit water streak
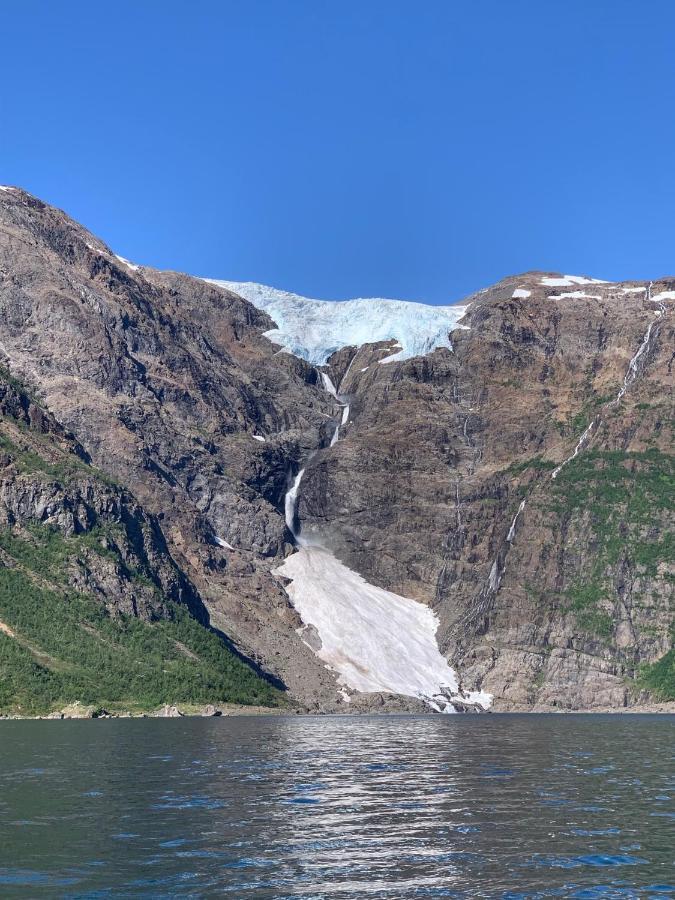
pixel 396 807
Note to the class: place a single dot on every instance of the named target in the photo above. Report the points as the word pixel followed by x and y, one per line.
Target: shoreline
pixel 225 710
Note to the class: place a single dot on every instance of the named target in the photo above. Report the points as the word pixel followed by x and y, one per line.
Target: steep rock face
pixel 165 380
pixel 421 491
pixel 47 486
pixel 94 612
pixel 171 388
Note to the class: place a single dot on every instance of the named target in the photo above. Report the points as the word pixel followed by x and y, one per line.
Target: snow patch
pixel 521 292
pixel 664 295
pixel 99 250
pixel 222 543
pixel 130 265
pixel 315 329
pixel 376 640
pixel 569 280
pixel 574 294
pixel 6 188
pixel 258 437
pixel 634 290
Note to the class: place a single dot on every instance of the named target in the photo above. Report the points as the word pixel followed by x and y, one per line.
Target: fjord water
pixel 283 807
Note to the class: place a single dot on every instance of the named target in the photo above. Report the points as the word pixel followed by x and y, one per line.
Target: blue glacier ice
pixel 314 329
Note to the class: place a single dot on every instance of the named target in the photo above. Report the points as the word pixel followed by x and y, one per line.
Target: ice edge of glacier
pixel 315 329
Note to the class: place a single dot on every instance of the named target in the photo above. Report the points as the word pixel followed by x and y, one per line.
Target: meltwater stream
pixel 373 639
pixel 498 566
pixel 343 808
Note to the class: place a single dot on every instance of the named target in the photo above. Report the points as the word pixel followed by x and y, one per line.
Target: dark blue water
pixel 397 807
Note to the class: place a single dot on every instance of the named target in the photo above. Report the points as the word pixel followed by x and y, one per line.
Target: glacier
pixel 314 329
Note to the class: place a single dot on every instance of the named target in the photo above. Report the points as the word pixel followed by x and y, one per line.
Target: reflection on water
pixel 458 806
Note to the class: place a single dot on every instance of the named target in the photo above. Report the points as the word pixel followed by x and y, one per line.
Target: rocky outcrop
pixel 165 380
pixel 421 493
pixel 168 386
pixel 46 482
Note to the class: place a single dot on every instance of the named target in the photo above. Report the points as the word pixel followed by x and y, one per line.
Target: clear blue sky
pixel 416 149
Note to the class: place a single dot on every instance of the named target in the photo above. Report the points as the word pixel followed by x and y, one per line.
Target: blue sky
pixel 407 149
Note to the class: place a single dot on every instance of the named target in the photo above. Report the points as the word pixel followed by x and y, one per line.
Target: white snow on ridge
pixel 520 293
pixel 314 329
pixel 376 640
pixel 132 266
pixel 578 294
pixel 570 280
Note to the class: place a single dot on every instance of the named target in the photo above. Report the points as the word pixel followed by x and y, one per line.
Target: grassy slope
pixel 627 495
pixel 67 648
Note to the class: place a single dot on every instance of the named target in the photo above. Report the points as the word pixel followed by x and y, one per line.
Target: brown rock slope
pixel 167 382
pixel 164 380
pixel 421 492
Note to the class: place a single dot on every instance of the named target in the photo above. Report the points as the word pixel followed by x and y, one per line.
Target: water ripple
pixel 394 807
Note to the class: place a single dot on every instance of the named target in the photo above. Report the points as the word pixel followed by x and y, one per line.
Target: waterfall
pixel 290 503
pixel 580 443
pixel 291 497
pixel 331 389
pixel 328 385
pixel 373 639
pixel 632 372
pixel 512 530
pixel 497 570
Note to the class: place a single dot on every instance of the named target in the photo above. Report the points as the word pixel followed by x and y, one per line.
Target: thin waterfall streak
pixel 633 365
pixel 512 530
pixel 577 450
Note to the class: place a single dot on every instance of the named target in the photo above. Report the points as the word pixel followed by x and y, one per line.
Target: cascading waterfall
pixel 291 498
pixel 632 371
pixel 290 503
pixel 512 530
pixel 375 640
pixel 580 443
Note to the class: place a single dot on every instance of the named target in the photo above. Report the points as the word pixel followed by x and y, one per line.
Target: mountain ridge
pixel 413 470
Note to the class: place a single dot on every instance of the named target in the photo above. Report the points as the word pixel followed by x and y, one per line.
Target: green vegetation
pixel 66 647
pixel 46 551
pixel 659 677
pixel 625 495
pixel 534 462
pixel 29 462
pixel 19 386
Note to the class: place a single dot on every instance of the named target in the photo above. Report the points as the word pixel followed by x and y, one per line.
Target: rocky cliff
pixel 168 386
pixel 93 609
